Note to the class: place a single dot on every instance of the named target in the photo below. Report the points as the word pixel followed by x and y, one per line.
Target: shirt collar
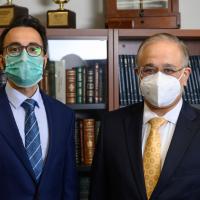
pixel 16 98
pixel 171 116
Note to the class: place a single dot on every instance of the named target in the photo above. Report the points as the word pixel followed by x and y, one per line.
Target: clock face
pixel 141 4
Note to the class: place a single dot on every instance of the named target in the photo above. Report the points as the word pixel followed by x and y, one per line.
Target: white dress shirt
pixel 16 99
pixel 166 131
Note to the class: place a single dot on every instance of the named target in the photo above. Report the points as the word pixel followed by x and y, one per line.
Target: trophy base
pixel 10 12
pixel 61 19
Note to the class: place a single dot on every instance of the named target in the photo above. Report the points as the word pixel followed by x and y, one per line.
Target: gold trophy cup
pixel 9 11
pixel 61 18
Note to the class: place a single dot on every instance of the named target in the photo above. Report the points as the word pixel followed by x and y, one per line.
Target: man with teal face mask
pixel 36 131
pixel 24 67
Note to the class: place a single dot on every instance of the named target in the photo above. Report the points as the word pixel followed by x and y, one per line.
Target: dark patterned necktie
pixel 32 137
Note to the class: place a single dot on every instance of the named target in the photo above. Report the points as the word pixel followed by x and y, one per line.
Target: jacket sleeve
pixel 98 174
pixel 70 173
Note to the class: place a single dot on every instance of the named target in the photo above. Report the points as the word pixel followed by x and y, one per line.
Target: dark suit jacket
pixel 58 179
pixel 117 172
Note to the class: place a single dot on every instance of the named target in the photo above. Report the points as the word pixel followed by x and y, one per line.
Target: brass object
pixel 9 11
pixel 61 18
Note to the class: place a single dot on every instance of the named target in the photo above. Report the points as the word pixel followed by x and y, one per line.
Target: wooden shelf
pixel 143 33
pixel 93 106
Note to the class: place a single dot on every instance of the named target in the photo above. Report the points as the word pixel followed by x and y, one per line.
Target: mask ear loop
pixel 180 79
pixel 139 74
pixel 181 75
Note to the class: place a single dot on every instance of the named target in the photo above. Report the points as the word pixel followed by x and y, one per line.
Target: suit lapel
pixel 10 133
pixel 133 130
pixel 183 135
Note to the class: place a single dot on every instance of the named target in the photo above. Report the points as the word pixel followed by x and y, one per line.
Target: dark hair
pixel 25 21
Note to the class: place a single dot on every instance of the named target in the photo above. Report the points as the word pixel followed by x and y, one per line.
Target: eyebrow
pixel 17 43
pixel 149 65
pixel 166 65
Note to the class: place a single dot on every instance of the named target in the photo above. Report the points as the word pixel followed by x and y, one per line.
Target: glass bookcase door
pixel 151 4
pixel 141 4
pixel 85 49
pixel 76 72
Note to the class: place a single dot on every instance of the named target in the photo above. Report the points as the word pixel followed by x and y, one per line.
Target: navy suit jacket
pixel 117 171
pixel 58 179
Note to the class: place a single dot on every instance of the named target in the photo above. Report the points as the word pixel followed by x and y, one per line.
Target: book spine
pixel 77 143
pixel 130 77
pixel 70 86
pixel 96 83
pixel 60 81
pixel 123 101
pixel 195 71
pixel 90 85
pixel 46 82
pixel 89 141
pixel 81 135
pixel 84 84
pixel 128 94
pixel 102 84
pixel 51 69
pixel 139 95
pixel 79 84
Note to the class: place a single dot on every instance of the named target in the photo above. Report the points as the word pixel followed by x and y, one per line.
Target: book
pixel 70 86
pixel 60 81
pixel 79 84
pixel 51 74
pixel 88 140
pixel 90 85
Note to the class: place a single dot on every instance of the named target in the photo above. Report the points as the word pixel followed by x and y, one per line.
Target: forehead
pixel 161 52
pixel 22 35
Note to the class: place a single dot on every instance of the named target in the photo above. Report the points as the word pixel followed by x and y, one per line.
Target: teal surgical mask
pixel 24 70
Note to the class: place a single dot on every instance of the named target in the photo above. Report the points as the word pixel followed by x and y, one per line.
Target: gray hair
pixel 164 37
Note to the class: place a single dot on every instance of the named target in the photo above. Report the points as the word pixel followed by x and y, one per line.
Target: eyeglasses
pixel 15 49
pixel 150 70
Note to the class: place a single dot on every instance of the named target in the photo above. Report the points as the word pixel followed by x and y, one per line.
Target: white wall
pixel 190 14
pixel 90 12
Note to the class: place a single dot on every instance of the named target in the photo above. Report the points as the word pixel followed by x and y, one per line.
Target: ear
pixel 137 70
pixel 186 75
pixel 1 62
pixel 45 61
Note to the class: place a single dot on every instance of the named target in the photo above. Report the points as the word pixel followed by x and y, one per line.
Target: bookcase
pixel 127 41
pixel 88 113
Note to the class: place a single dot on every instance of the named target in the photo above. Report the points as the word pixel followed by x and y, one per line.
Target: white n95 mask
pixel 160 89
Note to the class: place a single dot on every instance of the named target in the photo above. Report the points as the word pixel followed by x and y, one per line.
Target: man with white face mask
pixel 150 150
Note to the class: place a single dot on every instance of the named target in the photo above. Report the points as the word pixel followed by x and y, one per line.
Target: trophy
pixel 61 18
pixel 9 11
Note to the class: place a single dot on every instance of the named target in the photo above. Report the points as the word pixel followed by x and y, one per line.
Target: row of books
pixel 192 91
pixel 79 84
pixel 129 84
pixel 86 132
pixel 85 84
pixel 129 92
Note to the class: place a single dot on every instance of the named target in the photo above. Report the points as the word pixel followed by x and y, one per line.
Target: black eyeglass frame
pixel 23 47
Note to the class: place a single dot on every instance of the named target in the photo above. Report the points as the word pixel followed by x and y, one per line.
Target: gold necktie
pixel 151 157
